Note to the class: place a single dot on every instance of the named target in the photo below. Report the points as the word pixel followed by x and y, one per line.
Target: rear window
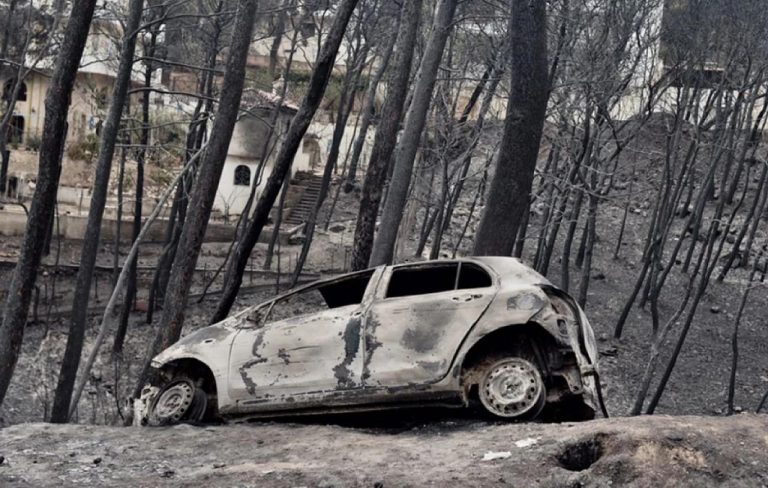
pixel 473 276
pixel 436 278
pixel 422 280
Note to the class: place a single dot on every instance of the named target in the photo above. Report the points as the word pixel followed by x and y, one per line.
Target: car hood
pixel 188 346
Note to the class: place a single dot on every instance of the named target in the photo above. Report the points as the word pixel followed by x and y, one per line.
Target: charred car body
pixel 483 331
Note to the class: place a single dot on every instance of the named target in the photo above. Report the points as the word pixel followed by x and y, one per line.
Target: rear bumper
pixel 581 339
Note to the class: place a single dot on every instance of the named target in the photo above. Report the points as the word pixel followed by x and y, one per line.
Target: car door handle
pixel 464 298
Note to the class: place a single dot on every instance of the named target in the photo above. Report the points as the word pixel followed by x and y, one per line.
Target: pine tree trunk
pixel 130 289
pixel 119 218
pixel 298 127
pixel 365 123
pixel 44 200
pixel 519 149
pixel 204 189
pixel 345 108
pixel 71 360
pixel 386 134
pixel 415 120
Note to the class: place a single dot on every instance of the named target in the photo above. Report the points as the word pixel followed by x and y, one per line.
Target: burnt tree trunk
pixel 415 120
pixel 298 127
pixel 130 289
pixel 510 189
pixel 204 189
pixel 71 360
pixel 386 134
pixel 365 123
pixel 195 136
pixel 119 217
pixel 345 108
pixel 44 200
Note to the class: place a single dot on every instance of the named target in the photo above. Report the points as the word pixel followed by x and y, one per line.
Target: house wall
pixel 93 85
pixel 246 148
pixel 84 112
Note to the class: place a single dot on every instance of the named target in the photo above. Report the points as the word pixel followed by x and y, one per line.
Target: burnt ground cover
pixel 658 451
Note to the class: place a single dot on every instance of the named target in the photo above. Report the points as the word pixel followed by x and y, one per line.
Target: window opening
pixel 242 175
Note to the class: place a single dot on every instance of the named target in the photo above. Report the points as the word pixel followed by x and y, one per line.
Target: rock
pixel 97 460
pixel 715 309
pixel 599 276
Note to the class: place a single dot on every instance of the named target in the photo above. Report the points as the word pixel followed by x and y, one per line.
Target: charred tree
pixel 510 188
pixel 298 127
pixel 130 289
pixel 71 360
pixel 386 134
pixel 367 116
pixel 346 103
pixel 204 189
pixel 415 120
pixel 44 200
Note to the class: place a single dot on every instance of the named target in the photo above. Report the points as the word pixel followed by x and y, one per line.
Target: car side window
pixel 334 294
pixel 297 304
pixel 422 279
pixel 473 276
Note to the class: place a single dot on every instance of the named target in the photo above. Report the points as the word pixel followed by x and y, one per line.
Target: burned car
pixel 488 332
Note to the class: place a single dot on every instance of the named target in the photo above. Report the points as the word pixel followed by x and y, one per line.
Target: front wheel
pixel 181 400
pixel 512 388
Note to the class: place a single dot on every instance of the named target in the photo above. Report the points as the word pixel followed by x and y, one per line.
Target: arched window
pixel 8 91
pixel 242 175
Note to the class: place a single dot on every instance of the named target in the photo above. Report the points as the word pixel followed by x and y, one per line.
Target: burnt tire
pixel 180 400
pixel 512 388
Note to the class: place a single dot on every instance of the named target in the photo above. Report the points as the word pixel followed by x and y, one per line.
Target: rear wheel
pixel 512 388
pixel 181 400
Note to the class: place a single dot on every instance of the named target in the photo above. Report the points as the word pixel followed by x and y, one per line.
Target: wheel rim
pixel 174 402
pixel 512 388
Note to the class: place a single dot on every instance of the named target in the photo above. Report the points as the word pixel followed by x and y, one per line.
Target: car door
pixel 307 342
pixel 418 319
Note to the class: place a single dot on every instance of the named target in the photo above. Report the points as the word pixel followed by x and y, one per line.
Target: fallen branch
pixel 121 281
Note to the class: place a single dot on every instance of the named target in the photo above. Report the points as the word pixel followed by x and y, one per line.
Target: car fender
pixel 210 346
pixel 510 307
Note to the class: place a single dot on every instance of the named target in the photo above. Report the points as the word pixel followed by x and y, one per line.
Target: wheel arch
pixel 195 368
pixel 530 336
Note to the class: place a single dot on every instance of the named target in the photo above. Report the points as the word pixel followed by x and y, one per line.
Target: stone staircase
pixel 301 198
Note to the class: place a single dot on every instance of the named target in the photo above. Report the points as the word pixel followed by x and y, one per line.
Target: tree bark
pixel 365 123
pixel 44 200
pixel 415 120
pixel 386 134
pixel 298 127
pixel 205 186
pixel 130 289
pixel 346 103
pixel 510 189
pixel 71 360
